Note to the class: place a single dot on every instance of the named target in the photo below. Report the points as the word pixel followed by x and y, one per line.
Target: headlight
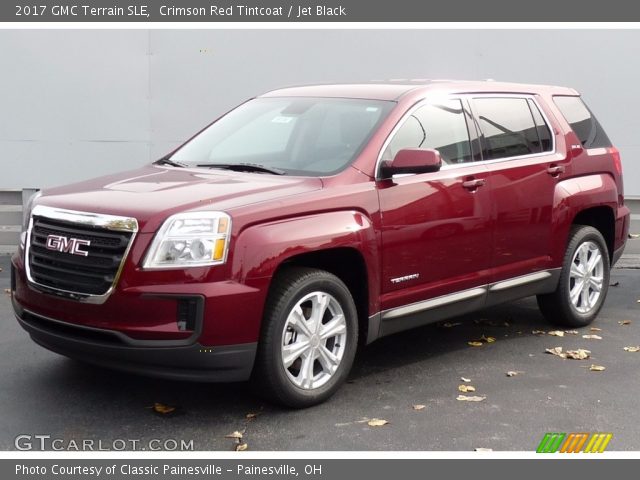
pixel 191 239
pixel 27 217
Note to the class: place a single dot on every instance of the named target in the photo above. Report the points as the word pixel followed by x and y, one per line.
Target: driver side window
pixel 441 126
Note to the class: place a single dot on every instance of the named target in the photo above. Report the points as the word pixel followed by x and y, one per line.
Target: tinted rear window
pixel 510 129
pixel 583 122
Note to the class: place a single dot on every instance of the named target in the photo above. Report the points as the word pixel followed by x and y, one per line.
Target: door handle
pixel 555 170
pixel 474 184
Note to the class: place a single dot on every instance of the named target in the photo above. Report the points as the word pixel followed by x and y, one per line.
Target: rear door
pixel 436 232
pixel 518 147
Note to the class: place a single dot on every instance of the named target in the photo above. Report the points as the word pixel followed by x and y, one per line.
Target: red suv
pixel 311 219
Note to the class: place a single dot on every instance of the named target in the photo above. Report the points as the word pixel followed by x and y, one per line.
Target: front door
pixel 436 229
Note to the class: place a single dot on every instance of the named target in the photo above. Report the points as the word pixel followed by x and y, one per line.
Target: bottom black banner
pixel 369 469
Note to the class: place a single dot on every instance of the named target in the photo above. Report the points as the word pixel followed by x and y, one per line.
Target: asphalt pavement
pixel 42 393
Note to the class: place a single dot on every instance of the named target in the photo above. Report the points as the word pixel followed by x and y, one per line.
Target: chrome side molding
pixel 517 281
pixel 464 295
pixel 433 303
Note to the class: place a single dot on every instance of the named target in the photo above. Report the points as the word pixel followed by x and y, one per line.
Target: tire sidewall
pixel 339 291
pixel 582 236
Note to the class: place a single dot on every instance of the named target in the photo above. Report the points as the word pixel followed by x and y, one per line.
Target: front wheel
pixel 584 280
pixel 309 338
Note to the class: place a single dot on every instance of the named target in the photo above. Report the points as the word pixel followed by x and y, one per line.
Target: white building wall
pixel 79 103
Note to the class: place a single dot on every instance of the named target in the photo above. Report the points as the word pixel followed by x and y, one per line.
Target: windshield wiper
pixel 172 163
pixel 244 167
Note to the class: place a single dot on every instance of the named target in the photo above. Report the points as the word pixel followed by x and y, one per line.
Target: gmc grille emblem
pixel 67 245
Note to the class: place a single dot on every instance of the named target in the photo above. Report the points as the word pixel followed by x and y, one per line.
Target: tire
pixel 581 309
pixel 292 366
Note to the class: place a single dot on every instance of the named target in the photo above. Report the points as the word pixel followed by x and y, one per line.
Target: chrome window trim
pixel 471 97
pixel 108 222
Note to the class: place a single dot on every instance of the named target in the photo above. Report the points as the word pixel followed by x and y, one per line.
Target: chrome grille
pixel 92 273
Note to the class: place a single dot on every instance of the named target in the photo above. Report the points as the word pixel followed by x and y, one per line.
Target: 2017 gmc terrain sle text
pixel 311 220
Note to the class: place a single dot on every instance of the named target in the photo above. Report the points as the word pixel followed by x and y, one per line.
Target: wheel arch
pixel 602 218
pixel 587 200
pixel 349 266
pixel 343 243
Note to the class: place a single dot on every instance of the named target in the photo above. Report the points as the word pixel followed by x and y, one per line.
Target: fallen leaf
pixel 596 368
pixel 235 434
pixel 163 409
pixel 579 354
pixel 592 337
pixel 450 324
pixel 481 449
pixel 571 332
pixel 614 284
pixel 482 340
pixel 624 322
pixel 595 329
pixel 634 235
pixel 538 332
pixel 377 422
pixel 557 333
pixel 465 398
pixel 465 379
pixel 632 349
pixel 513 373
pixel 251 416
pixel 241 447
pixel 466 388
pixel 556 351
pixel 419 407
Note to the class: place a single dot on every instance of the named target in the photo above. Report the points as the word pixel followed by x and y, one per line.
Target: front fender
pixel 573 195
pixel 260 249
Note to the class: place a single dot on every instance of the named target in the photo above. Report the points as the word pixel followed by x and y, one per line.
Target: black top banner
pixel 225 11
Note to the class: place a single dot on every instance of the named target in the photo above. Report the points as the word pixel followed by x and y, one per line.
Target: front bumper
pixel 106 348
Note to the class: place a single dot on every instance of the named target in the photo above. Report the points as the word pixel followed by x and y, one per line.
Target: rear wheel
pixel 584 280
pixel 309 338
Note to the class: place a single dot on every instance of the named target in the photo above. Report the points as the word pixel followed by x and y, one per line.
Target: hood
pixel 152 193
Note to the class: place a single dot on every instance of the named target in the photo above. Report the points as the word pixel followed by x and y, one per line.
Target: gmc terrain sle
pixel 311 219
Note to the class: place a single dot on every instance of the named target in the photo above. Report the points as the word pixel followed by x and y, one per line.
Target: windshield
pixel 296 136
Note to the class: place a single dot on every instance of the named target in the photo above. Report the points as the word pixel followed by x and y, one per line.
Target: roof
pixel 393 90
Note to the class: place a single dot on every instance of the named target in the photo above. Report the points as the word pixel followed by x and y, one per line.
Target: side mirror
pixel 412 160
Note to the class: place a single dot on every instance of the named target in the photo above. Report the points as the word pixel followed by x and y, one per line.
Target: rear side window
pixel 511 127
pixel 582 121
